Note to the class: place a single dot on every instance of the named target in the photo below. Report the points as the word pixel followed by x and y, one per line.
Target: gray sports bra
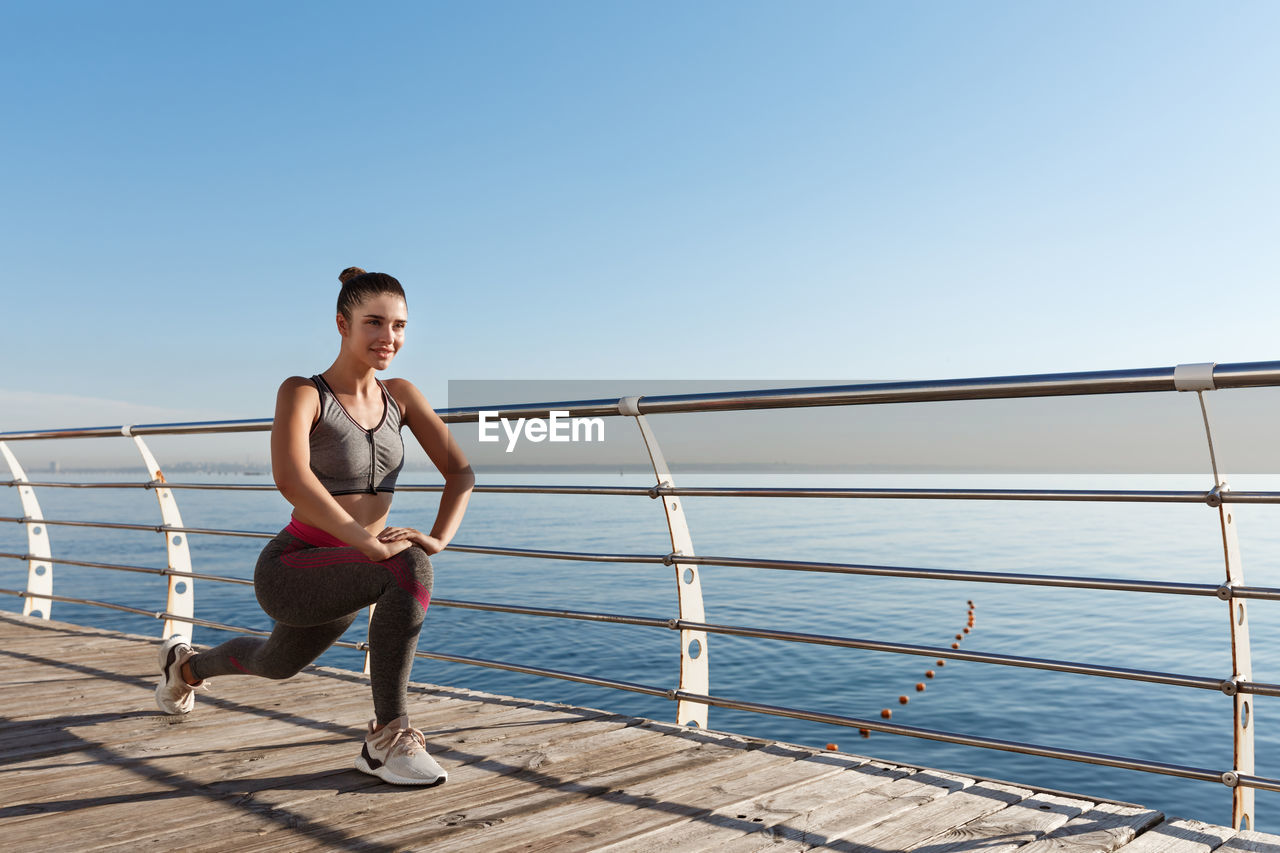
pixel 349 459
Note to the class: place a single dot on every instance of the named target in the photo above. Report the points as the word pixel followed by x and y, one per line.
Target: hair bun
pixel 349 273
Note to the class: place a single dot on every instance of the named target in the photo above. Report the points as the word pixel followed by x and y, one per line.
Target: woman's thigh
pixel 304 586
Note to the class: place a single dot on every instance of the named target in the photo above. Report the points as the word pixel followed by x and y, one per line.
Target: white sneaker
pixel 398 754
pixel 173 694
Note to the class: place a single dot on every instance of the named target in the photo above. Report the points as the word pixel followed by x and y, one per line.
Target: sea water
pixel 1165 542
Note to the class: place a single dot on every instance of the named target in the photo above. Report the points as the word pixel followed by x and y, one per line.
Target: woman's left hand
pixel 430 544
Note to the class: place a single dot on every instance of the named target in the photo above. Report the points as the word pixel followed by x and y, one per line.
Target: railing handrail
pixel 1253 374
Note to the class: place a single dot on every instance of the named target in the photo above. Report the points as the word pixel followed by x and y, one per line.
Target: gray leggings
pixel 314 594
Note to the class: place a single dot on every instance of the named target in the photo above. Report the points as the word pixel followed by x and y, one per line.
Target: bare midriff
pixel 369 511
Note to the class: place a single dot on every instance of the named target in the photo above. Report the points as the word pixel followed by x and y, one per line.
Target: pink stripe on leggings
pixel 407 582
pixel 322 557
pixel 313 535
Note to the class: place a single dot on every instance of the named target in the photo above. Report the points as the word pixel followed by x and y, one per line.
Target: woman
pixel 335 454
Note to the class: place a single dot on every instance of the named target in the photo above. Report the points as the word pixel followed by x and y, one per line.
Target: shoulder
pixel 298 388
pixel 293 383
pixel 408 397
pixel 298 394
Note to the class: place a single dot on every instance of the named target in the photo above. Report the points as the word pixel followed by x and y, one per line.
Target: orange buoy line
pixel 887 713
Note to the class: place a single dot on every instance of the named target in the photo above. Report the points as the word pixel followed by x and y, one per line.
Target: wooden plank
pixel 1178 835
pixel 852 814
pixel 673 794
pixel 224 729
pixel 1250 841
pixel 1010 828
pixel 1103 828
pixel 114 826
pixel 308 805
pixel 723 808
pixel 357 813
pixel 591 768
pixel 746 815
pixel 288 796
pixel 916 826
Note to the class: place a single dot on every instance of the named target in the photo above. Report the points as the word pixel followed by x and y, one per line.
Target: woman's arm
pixel 297 407
pixel 433 434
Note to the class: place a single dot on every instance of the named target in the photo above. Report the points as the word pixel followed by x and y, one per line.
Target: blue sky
pixel 584 190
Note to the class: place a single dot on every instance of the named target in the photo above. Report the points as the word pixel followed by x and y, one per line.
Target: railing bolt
pixel 1230 687
pixel 1214 496
pixel 1230 779
pixel 1224 592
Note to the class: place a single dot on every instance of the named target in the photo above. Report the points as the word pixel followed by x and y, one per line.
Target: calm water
pixel 1170 633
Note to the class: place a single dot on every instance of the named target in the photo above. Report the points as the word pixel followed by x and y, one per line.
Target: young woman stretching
pixel 335 454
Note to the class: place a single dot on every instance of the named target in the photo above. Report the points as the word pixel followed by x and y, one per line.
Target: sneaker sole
pixel 387 776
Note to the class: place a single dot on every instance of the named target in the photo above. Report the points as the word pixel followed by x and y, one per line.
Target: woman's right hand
pixel 378 550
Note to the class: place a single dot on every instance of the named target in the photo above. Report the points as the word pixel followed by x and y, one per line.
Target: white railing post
pixel 39 569
pixel 1199 378
pixel 695 667
pixel 181 600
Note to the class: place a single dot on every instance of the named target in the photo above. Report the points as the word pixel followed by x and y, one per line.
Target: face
pixel 376 331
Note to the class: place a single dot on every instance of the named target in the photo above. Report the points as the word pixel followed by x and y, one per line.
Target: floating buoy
pixel 833 747
pixel 865 732
pixel 920 685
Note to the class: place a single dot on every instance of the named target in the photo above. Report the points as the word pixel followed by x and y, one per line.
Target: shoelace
pixel 409 742
pixel 403 741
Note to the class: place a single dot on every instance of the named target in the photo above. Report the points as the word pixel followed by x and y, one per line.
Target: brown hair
pixel 358 285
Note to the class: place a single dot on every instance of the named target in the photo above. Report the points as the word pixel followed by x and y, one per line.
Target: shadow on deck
pixel 87 763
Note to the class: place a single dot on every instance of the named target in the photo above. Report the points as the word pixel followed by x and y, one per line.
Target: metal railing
pixel 692 693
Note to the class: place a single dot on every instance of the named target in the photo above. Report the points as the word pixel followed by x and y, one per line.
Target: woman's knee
pixel 420 564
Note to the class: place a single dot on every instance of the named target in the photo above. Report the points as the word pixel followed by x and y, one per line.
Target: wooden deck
pixel 87 763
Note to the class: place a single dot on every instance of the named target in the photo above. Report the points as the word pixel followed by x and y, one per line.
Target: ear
pixel 342 325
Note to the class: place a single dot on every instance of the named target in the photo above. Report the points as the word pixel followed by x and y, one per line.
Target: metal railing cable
pixel 1157 496
pixel 124 567
pixel 1045 664
pixel 153 528
pixel 1222 591
pixel 1229 778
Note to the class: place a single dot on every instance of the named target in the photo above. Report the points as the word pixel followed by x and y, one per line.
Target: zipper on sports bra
pixel 373 460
